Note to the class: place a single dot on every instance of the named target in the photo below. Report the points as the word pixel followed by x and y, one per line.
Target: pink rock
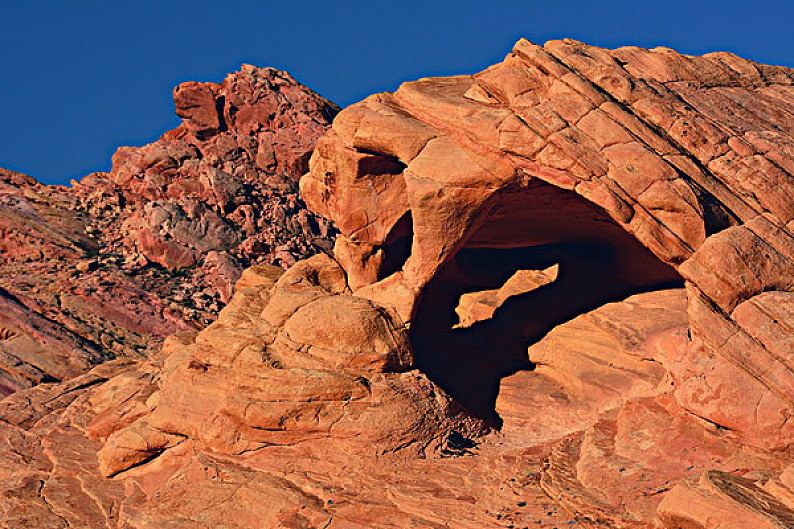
pixel 646 383
pixel 178 218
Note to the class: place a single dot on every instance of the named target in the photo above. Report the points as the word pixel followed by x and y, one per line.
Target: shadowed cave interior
pixel 529 229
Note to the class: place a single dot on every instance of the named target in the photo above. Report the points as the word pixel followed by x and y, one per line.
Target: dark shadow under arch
pixel 599 262
pixel 397 247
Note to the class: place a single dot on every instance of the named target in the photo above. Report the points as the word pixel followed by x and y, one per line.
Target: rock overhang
pixel 640 134
pixel 666 408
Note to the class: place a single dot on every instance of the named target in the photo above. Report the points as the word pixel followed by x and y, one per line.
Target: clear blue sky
pixel 80 78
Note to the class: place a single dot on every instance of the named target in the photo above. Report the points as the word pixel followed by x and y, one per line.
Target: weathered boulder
pixel 333 369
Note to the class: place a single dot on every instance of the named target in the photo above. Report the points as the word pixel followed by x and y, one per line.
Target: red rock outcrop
pixel 692 157
pixel 561 297
pixel 119 261
pixel 573 155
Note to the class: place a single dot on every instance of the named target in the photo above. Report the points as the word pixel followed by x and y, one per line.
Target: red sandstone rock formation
pixel 561 297
pixel 670 163
pixel 119 261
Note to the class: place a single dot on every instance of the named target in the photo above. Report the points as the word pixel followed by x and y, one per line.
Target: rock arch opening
pixel 538 229
pixel 397 247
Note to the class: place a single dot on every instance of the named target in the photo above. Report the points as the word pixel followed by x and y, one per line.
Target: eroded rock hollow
pixel 639 151
pixel 530 229
pixel 561 295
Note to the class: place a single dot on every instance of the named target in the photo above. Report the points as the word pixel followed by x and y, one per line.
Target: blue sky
pixel 80 78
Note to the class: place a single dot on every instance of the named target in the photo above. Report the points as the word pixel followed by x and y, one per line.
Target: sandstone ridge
pixel 117 262
pixel 672 164
pixel 561 296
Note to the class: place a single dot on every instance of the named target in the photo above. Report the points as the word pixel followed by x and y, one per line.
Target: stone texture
pixel 561 297
pixel 651 143
pixel 117 262
pixel 238 418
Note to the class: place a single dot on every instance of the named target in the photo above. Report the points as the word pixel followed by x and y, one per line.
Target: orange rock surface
pixel 561 297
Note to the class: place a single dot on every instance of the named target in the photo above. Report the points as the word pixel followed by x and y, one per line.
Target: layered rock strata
pixel 561 297
pixel 672 164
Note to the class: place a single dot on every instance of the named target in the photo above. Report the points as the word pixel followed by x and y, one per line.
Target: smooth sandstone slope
pixel 119 261
pixel 561 297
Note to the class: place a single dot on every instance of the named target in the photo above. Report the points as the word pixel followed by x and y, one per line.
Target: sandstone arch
pixel 642 135
pixel 530 229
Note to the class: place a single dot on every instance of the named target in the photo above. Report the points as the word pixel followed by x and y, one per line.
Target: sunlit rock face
pixel 561 296
pixel 116 263
pixel 638 165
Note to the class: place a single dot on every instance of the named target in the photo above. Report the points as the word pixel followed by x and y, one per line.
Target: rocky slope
pixel 117 262
pixel 561 297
